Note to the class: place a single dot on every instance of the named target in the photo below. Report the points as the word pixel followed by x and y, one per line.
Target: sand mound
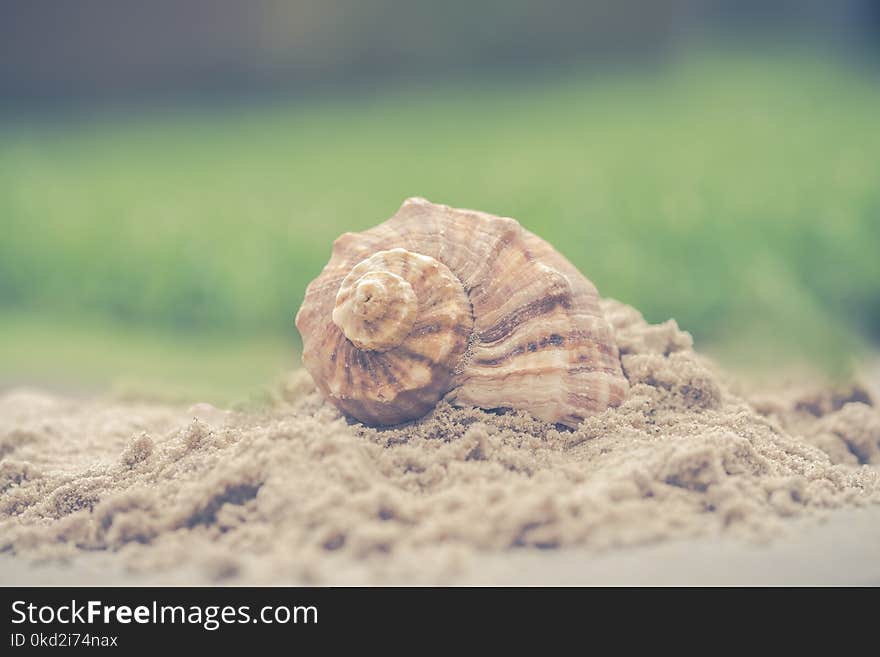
pixel 294 492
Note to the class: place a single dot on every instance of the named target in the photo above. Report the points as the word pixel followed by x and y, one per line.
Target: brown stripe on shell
pixel 531 310
pixel 552 341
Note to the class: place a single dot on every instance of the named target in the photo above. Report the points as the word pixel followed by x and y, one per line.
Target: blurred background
pixel 173 173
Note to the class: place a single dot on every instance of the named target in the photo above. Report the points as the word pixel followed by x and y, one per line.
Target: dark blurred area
pixel 130 49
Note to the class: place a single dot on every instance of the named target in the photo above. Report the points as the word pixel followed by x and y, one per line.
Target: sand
pixel 288 491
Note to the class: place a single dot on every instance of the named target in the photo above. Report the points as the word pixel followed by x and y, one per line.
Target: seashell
pixel 440 302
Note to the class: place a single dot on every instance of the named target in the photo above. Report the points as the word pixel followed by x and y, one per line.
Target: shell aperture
pixel 440 302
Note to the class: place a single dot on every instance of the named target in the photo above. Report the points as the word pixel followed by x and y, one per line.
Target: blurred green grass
pixel 737 193
pixel 82 356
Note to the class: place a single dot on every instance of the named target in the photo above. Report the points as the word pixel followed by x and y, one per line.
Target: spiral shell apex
pixel 439 302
